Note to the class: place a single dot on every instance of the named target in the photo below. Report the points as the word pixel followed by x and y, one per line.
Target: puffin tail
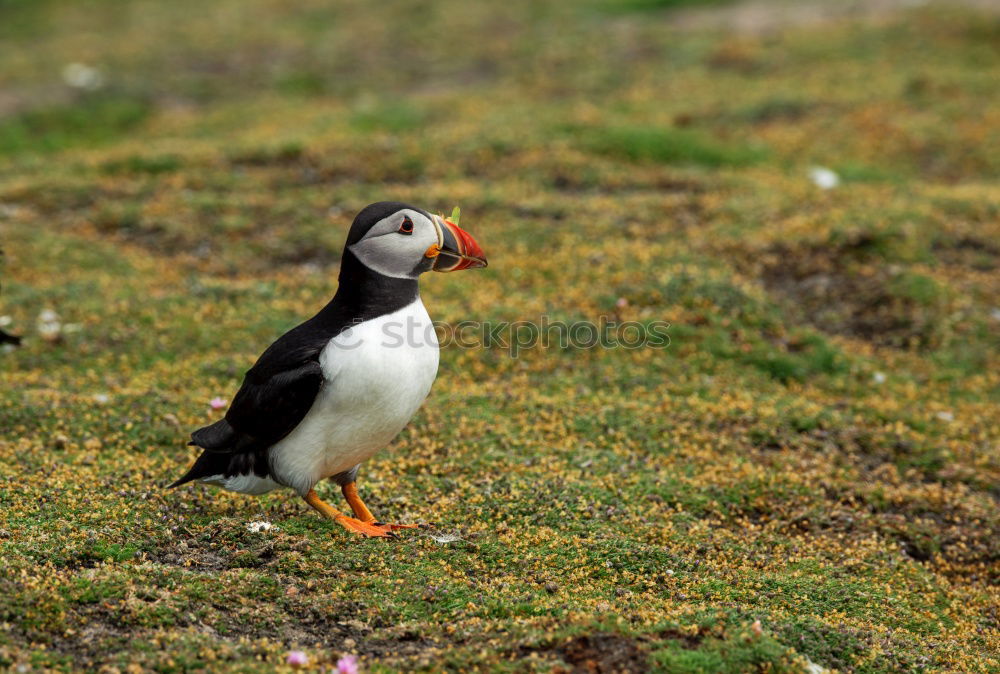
pixel 227 452
pixel 207 465
pixel 214 439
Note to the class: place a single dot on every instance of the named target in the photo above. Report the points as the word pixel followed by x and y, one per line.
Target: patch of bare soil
pixel 969 252
pixel 106 628
pixel 956 542
pixel 956 536
pixel 842 290
pixel 596 654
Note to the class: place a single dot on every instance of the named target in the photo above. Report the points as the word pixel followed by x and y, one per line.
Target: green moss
pixel 666 145
pixel 93 119
pixel 395 116
pixel 917 288
pixel 138 164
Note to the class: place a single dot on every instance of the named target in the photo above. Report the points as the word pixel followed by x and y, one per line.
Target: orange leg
pixel 357 505
pixel 350 523
pixel 361 510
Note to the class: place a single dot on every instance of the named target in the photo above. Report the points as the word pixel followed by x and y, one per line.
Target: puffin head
pixel 403 241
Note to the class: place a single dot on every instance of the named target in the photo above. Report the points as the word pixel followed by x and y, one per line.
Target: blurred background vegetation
pixel 806 191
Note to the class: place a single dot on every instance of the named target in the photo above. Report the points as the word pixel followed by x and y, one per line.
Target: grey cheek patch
pixel 374 255
pixel 392 255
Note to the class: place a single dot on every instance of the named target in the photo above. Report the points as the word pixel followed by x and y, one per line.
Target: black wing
pixel 276 394
pixel 265 410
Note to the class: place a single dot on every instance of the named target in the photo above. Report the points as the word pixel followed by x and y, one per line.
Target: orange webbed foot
pixel 363 514
pixel 367 529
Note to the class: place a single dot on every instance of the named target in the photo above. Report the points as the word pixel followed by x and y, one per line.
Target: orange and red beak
pixel 456 248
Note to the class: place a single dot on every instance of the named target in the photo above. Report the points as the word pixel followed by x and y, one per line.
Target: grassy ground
pixel 818 449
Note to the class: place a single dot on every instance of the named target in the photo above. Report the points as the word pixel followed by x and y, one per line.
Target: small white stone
pixel 879 377
pixel 945 416
pixel 444 539
pixel 259 526
pixel 823 178
pixel 5 321
pixel 48 325
pixel 101 398
pixel 82 76
pixel 50 331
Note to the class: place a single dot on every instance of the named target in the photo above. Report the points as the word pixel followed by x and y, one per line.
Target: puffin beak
pixel 456 248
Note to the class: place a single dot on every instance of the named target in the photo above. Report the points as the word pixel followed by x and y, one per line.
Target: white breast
pixel 377 373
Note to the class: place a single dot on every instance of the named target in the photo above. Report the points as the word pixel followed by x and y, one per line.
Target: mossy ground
pixel 816 450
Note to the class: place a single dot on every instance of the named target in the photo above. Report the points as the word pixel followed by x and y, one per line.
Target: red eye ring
pixel 406 227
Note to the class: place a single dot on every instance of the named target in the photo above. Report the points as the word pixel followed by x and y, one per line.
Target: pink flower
pixel 347 665
pixel 621 303
pixel 218 403
pixel 297 659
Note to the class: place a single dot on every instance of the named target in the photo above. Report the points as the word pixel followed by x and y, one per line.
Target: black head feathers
pixel 374 213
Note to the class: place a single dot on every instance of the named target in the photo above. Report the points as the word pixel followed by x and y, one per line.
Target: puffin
pixel 332 391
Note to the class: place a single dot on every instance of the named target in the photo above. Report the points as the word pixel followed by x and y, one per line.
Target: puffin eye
pixel 407 225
